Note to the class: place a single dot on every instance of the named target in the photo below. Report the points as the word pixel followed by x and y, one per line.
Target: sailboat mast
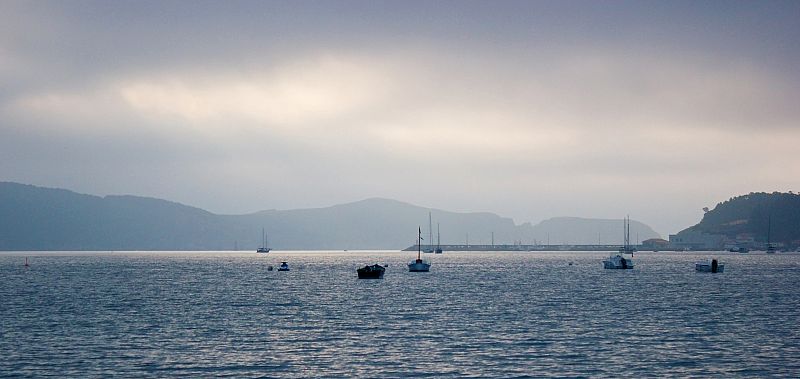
pixel 419 244
pixel 769 228
pixel 626 228
pixel 430 232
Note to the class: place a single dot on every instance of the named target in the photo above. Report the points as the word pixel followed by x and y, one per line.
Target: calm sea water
pixel 178 314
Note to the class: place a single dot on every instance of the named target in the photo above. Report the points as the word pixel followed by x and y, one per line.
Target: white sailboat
pixel 619 261
pixel 264 245
pixel 419 265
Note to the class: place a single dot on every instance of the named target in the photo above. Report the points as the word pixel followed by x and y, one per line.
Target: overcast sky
pixel 528 109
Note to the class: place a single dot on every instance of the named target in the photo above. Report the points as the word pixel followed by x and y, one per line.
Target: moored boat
pixel 619 261
pixel 371 272
pixel 713 266
pixel 283 267
pixel 419 265
pixel 264 245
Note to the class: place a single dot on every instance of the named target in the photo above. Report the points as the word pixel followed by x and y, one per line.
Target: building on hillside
pixel 655 244
pixel 690 240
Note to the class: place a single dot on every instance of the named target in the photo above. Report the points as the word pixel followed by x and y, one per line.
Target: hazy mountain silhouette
pixel 576 230
pixel 36 218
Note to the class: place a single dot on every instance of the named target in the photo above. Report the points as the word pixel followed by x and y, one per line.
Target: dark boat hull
pixel 371 272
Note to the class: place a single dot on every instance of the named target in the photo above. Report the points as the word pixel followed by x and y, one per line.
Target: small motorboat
pixel 618 262
pixel 371 272
pixel 283 267
pixel 713 266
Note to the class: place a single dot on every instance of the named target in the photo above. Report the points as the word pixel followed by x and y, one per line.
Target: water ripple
pixel 474 315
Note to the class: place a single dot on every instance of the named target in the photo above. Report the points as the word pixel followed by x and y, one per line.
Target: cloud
pixel 293 94
pixel 584 115
pixel 505 119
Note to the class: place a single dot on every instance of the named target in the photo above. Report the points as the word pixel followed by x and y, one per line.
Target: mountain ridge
pixel 41 218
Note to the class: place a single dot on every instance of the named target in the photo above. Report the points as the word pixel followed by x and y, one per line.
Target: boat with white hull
pixel 713 266
pixel 419 265
pixel 619 261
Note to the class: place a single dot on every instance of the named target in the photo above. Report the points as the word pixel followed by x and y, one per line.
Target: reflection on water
pixel 174 314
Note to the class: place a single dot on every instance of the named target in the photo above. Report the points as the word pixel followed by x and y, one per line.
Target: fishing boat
pixel 371 272
pixel 283 267
pixel 264 245
pixel 619 261
pixel 713 266
pixel 419 265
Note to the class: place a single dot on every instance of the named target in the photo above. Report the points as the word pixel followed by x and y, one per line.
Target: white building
pixel 697 241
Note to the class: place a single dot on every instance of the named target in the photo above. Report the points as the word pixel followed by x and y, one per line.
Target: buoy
pixel 269 268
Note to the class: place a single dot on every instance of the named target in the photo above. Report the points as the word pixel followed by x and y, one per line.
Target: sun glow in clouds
pixel 522 107
pixel 291 95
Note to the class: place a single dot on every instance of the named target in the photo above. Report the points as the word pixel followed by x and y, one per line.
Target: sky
pixel 527 109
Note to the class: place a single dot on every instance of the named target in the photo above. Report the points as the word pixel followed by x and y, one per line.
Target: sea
pixel 475 314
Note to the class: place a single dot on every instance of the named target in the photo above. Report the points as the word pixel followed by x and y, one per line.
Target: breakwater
pixel 519 247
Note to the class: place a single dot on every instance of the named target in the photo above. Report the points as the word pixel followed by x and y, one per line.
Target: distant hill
pixel 36 218
pixel 575 230
pixel 753 214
